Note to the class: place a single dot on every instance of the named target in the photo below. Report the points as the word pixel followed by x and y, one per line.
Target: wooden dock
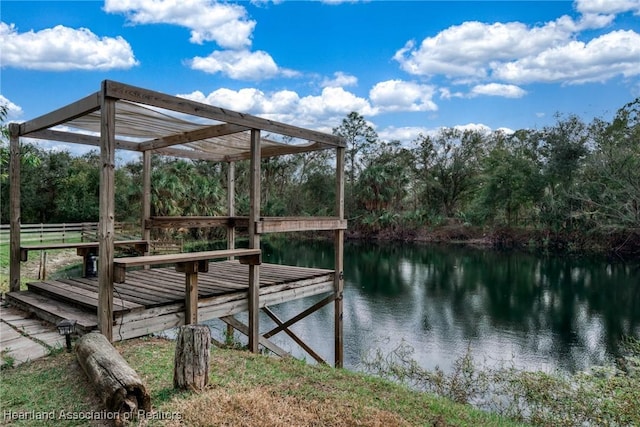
pixel 129 303
pixel 154 300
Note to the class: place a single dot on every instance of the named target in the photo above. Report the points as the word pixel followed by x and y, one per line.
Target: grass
pixel 244 390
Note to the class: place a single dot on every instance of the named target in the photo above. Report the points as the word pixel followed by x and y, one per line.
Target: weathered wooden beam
pixel 281 225
pixel 216 307
pixel 139 323
pixel 339 262
pixel 195 135
pixel 137 245
pixel 146 197
pixel 196 221
pixel 189 154
pixel 67 113
pixel 319 287
pixel 14 207
pixel 271 151
pixel 80 138
pixel 185 257
pixel 231 205
pixel 315 307
pixel 254 240
pixel 106 228
pixel 173 103
pixel 294 337
pixel 120 265
pixel 230 320
pixel 190 270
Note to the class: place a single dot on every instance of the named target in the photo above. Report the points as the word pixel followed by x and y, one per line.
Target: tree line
pixel 568 178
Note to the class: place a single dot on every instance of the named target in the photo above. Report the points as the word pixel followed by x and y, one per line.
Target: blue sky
pixel 408 67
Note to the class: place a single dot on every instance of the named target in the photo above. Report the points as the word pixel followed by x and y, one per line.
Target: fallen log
pixel 118 386
pixel 191 361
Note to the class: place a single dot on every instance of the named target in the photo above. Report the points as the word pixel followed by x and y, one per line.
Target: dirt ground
pixel 55 261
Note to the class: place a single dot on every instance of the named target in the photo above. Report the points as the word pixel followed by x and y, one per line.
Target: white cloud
pixel 409 134
pixel 340 79
pixel 13 111
pixel 515 53
pixel 497 89
pixel 445 93
pixel 610 55
pixel 607 7
pixel 250 100
pixel 241 65
pixel 469 49
pixel 398 95
pixel 475 127
pixel 335 100
pixel 224 23
pixel 506 131
pixel 321 111
pixel 62 48
pixel 403 134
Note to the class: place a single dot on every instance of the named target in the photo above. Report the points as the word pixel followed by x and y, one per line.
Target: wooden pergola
pixel 120 116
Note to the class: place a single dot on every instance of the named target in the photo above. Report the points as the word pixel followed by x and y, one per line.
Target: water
pixel 534 312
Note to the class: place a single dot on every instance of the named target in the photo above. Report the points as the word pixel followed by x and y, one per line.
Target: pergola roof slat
pixel 69 112
pixel 195 135
pixel 80 138
pixel 160 100
pixel 151 121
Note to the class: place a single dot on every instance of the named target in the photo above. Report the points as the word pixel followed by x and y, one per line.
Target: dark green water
pixel 536 312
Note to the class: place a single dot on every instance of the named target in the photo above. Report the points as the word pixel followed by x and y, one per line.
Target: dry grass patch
pixel 268 407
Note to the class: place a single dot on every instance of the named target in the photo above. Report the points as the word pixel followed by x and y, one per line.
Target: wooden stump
pixel 191 363
pixel 117 384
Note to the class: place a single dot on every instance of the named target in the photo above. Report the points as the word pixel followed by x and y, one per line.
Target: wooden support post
pixel 191 361
pixel 106 227
pixel 254 241
pixel 14 206
pixel 231 212
pixel 146 198
pixel 42 271
pixel 190 270
pixel 339 261
pixel 231 205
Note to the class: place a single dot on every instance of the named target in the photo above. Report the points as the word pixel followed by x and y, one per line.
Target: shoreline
pixel 619 244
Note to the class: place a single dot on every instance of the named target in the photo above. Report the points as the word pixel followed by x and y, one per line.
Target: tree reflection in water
pixel 538 312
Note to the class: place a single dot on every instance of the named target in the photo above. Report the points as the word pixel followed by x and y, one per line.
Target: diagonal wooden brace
pixel 232 321
pixel 294 337
pixel 301 316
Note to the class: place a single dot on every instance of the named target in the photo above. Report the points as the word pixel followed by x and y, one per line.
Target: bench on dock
pixel 83 249
pixel 190 264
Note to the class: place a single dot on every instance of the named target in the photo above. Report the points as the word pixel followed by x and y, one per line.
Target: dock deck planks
pixel 153 300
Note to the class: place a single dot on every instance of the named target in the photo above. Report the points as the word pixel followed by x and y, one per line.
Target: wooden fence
pixel 85 232
pixel 67 232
